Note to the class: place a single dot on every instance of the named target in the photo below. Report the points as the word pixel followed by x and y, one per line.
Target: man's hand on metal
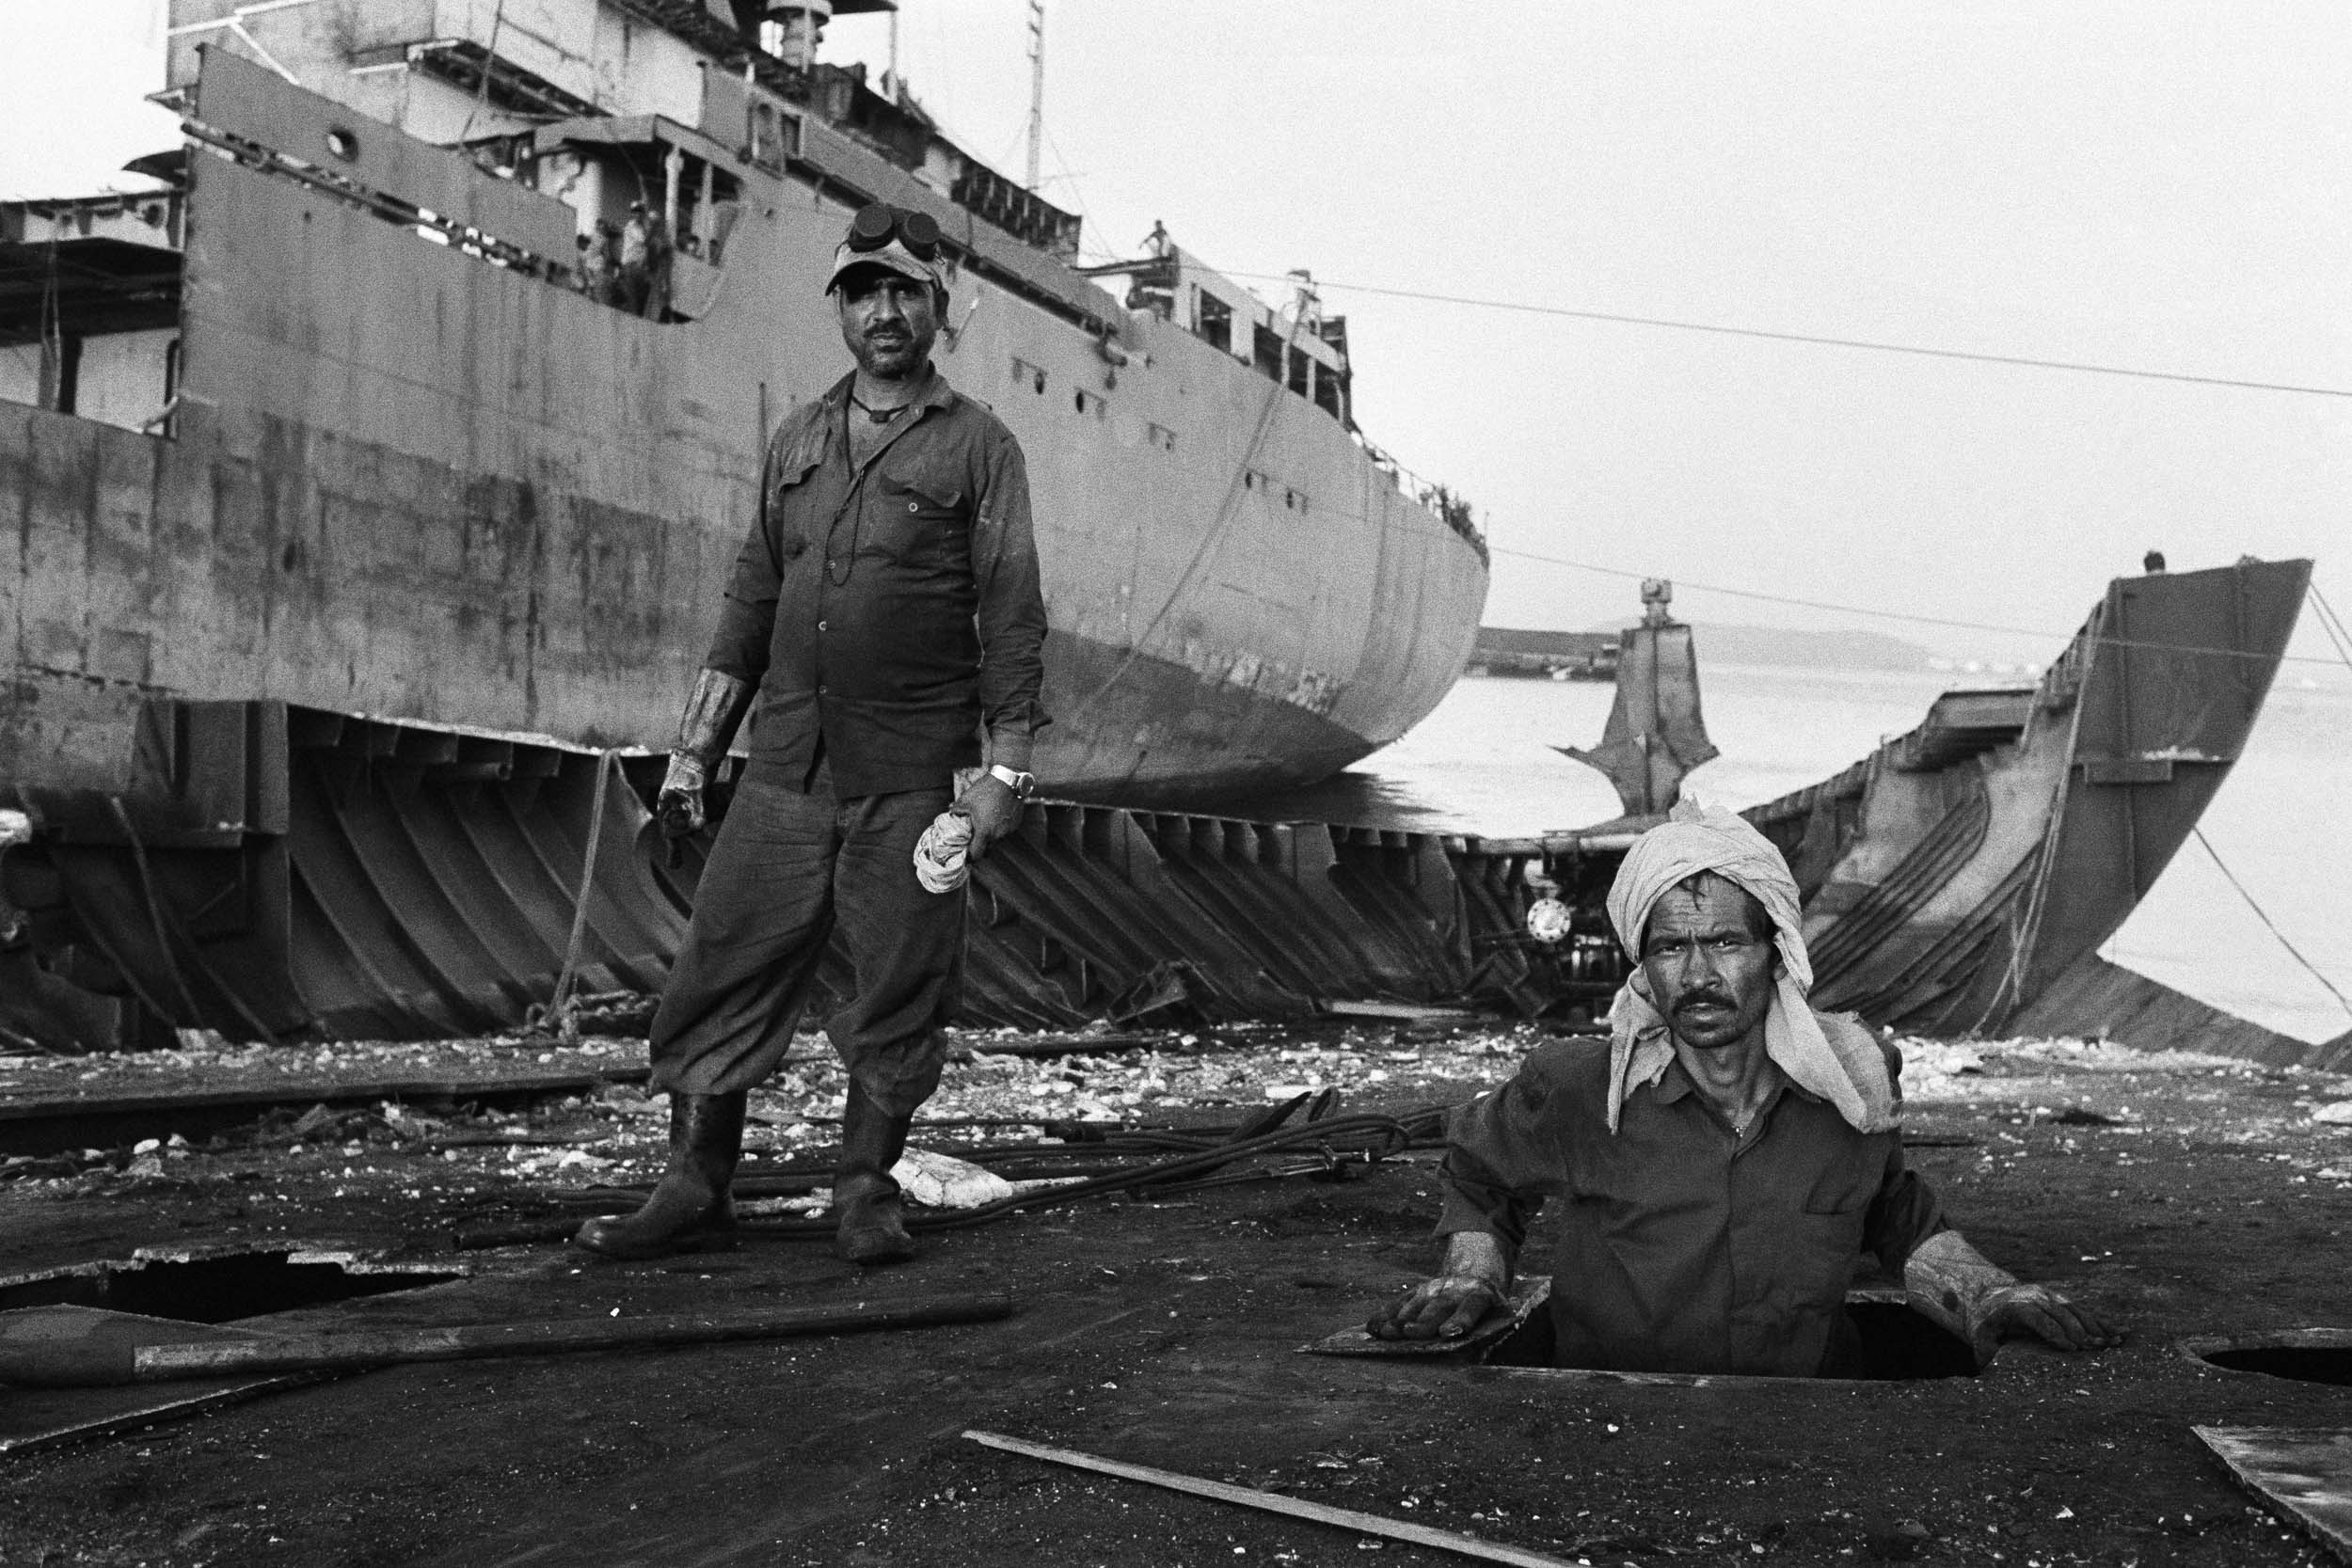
pixel 1445 1308
pixel 2019 1309
pixel 1955 1284
pixel 994 809
pixel 1470 1283
pixel 680 803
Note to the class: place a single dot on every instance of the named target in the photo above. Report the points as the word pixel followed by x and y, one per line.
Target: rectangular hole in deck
pixel 221 1288
pixel 1897 1344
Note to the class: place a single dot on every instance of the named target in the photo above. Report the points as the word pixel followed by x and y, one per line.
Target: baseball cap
pixel 894 256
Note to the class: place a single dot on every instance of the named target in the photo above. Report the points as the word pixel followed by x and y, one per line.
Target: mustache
pixel 1705 998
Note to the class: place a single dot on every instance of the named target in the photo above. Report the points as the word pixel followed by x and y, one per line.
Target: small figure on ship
pixel 1722 1158
pixel 886 610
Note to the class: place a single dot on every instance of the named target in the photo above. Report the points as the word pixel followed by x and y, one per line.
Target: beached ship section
pixel 1961 871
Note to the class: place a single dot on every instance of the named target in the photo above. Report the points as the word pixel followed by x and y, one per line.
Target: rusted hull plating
pixel 371 880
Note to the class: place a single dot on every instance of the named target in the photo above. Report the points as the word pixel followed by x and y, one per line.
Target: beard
pixel 893 352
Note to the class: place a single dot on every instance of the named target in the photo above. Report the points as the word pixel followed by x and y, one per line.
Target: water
pixel 1483 764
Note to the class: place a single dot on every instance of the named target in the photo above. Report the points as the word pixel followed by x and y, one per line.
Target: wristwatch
pixel 1022 785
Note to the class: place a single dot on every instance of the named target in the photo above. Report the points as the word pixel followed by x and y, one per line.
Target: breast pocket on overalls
pixel 783 481
pixel 917 517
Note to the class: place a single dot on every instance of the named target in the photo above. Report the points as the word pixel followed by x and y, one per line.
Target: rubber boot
pixel 690 1210
pixel 864 1195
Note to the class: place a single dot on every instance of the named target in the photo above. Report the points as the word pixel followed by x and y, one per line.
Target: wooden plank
pixel 2304 1474
pixel 1274 1502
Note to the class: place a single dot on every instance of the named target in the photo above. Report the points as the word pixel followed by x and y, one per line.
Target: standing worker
pixel 636 260
pixel 659 249
pixel 886 610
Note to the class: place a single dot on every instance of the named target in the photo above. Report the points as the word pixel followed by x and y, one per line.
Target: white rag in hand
pixel 939 854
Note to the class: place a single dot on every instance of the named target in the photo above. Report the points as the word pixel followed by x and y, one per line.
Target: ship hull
pixel 403 481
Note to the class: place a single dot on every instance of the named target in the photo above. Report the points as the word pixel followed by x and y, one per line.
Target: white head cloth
pixel 1831 1056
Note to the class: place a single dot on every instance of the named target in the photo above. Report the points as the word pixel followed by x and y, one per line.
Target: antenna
pixel 1036 85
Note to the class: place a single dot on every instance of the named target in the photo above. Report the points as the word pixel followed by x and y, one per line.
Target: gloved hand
pixel 1445 1308
pixel 995 810
pixel 680 803
pixel 2038 1310
pixel 1952 1284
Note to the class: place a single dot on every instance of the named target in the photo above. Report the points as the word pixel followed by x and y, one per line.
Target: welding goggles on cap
pixel 881 235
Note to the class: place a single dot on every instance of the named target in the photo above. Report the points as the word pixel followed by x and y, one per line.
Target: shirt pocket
pixel 916 515
pixel 1843 1192
pixel 784 479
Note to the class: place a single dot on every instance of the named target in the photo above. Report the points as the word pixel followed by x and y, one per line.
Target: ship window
pixel 1268 348
pixel 1292 499
pixel 1088 403
pixel 343 144
pixel 1213 319
pixel 767 136
pixel 1160 437
pixel 1302 373
pixel 1032 376
pixel 1328 390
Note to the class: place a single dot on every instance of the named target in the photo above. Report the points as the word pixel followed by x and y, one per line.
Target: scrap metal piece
pixel 79 1347
pixel 1274 1502
pixel 2303 1474
pixel 34 1418
pixel 48 1120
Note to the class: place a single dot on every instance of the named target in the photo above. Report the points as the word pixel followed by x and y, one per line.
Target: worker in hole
pixel 1723 1158
pixel 886 610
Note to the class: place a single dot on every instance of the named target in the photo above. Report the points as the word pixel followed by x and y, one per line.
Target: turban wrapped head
pixel 1834 1057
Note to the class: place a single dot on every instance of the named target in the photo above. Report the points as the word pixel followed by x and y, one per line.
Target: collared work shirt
pixel 888 609
pixel 1681 1247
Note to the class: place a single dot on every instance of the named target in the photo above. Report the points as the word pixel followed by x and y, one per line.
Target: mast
pixel 1037 85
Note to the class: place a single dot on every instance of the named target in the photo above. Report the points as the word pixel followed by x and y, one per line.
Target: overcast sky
pixel 2155 185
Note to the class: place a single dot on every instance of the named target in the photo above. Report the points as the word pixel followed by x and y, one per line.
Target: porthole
pixel 343 144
